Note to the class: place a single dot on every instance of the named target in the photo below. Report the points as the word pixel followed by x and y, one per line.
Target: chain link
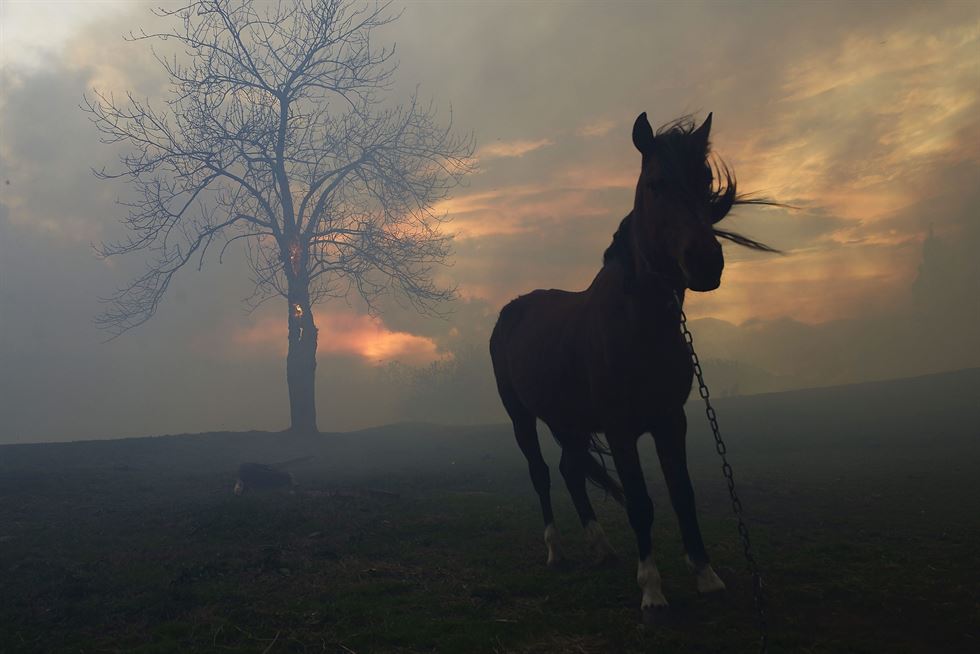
pixel 758 590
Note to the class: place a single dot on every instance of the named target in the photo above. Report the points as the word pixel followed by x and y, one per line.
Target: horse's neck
pixel 649 299
pixel 621 256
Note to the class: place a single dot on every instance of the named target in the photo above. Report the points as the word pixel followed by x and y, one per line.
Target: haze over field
pixel 866 119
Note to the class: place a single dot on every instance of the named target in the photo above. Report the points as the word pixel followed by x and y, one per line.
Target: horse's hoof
pixel 709 583
pixel 656 615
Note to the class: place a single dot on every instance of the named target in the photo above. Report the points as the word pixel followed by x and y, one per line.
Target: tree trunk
pixel 301 359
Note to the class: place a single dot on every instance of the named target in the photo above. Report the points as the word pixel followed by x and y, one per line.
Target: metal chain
pixel 758 590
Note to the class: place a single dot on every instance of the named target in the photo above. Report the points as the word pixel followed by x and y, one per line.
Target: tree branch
pixel 271 104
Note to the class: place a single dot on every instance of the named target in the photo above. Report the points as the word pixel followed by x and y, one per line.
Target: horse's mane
pixel 619 249
pixel 681 157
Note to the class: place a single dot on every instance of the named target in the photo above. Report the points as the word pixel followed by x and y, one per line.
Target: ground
pixel 862 504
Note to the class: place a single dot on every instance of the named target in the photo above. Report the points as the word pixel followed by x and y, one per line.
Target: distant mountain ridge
pixel 927 395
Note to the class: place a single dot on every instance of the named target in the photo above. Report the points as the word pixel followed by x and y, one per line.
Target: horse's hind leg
pixel 525 429
pixel 671 440
pixel 575 459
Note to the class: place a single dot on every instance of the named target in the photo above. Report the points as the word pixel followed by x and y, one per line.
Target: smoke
pixel 866 119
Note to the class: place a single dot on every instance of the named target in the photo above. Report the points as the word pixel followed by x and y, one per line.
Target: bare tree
pixel 277 133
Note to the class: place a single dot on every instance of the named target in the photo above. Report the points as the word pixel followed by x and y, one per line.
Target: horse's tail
pixel 598 472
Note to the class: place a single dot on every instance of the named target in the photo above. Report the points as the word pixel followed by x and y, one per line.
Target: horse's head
pixel 680 195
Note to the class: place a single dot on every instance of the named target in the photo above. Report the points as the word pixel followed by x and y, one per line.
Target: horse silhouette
pixel 611 359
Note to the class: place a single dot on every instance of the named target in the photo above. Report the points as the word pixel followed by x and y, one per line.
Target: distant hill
pixel 863 424
pixel 938 406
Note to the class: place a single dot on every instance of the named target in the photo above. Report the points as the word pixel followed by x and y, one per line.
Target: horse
pixel 611 359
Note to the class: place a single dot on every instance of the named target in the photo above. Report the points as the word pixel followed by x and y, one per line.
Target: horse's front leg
pixel 640 510
pixel 671 439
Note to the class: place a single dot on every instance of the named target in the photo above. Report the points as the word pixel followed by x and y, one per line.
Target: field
pixel 862 501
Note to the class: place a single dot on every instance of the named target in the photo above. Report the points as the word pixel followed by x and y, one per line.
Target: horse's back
pixel 532 315
pixel 531 346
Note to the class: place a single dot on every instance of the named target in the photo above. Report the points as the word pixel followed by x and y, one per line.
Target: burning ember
pixel 294 256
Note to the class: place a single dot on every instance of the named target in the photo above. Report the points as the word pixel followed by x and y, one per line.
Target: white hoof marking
pixel 648 577
pixel 553 542
pixel 707 579
pixel 598 544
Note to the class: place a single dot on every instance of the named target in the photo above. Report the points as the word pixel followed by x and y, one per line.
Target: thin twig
pixel 266 650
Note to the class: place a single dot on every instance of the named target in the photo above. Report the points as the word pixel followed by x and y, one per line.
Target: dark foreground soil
pixel 863 506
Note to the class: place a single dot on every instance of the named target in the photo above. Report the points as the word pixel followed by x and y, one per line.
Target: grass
pixel 140 546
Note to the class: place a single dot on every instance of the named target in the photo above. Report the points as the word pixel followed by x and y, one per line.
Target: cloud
pixel 598 127
pixel 35 32
pixel 340 334
pixel 868 120
pixel 507 149
pixel 520 209
pixel 860 130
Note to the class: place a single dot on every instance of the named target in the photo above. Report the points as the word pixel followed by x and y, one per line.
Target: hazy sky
pixel 865 116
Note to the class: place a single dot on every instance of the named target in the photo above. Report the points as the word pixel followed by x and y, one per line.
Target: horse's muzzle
pixel 703 286
pixel 703 268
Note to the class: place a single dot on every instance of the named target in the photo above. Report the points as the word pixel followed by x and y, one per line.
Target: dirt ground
pixel 417 538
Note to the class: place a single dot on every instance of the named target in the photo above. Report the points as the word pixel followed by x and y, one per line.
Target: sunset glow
pixel 341 334
pixel 865 120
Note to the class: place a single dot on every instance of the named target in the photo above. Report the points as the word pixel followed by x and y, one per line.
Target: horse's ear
pixel 643 134
pixel 701 133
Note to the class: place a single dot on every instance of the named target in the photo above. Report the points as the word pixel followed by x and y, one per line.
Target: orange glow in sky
pixel 344 334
